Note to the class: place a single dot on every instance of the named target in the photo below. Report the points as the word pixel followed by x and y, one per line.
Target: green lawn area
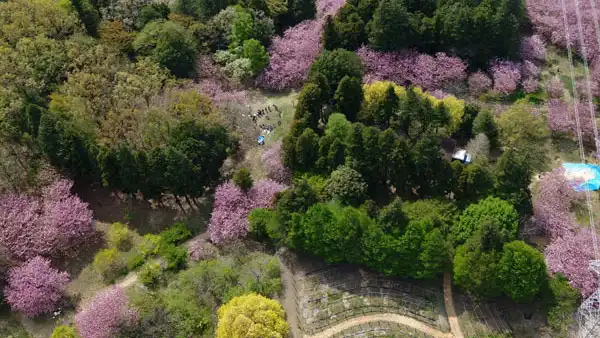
pixel 286 103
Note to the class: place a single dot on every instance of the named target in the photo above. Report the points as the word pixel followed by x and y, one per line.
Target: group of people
pixel 266 128
pixel 265 112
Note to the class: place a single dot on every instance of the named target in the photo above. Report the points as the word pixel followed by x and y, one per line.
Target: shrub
pixel 35 288
pixel 150 273
pixel 109 264
pixel 201 250
pixel 64 331
pixel 175 256
pixel 243 179
pixel 105 314
pixel 119 237
pixel 176 234
pixel 135 261
pixel 150 245
pixel 564 303
pixel 346 185
pixel 247 316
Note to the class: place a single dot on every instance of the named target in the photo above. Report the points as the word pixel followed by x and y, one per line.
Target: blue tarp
pixel 582 177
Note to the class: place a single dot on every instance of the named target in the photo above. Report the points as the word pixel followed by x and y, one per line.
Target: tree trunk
pixel 179 204
pixel 196 203
pixel 187 199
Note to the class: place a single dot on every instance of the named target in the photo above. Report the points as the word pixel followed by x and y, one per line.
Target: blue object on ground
pixel 261 140
pixel 582 177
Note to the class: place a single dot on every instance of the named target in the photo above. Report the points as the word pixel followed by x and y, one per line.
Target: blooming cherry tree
pixel 551 206
pixel 479 83
pixel 559 119
pixel 273 164
pixel 35 288
pixel 53 223
pixel 533 48
pixel 571 255
pixel 429 72
pixel 506 76
pixel 229 219
pixel 104 314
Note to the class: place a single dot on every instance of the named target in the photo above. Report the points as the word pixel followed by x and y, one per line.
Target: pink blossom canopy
pixel 533 48
pixel 273 164
pixel 552 205
pixel 104 314
pixel 429 72
pixel 479 83
pixel 571 256
pixel 547 19
pixel 229 219
pixel 35 288
pixel 53 223
pixel 507 75
pixel 292 54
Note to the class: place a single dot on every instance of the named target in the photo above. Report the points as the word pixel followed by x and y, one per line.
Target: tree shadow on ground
pixel 143 216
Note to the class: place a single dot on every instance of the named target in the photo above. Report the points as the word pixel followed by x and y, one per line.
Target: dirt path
pixel 450 311
pixel 386 317
pixel 289 299
pixel 128 281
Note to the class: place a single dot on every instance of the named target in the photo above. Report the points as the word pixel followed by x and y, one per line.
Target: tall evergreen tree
pixel 88 15
pixel 389 30
pixel 348 97
pixel 330 37
pixel 310 105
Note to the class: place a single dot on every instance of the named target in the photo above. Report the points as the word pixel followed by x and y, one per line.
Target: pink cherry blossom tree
pixel 571 255
pixel 48 225
pixel 533 48
pixel 555 88
pixel 506 75
pixel 560 120
pixel 429 72
pixel 479 83
pixel 570 249
pixel 229 219
pixel 104 314
pixel 271 159
pixel 291 56
pixel 552 204
pixel 35 288
pixel 546 17
pixel 531 85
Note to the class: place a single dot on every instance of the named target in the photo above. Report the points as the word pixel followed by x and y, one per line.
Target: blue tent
pixel 261 140
pixel 582 177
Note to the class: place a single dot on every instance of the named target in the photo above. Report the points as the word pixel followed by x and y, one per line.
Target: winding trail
pixel 384 317
pixel 455 329
pixel 449 303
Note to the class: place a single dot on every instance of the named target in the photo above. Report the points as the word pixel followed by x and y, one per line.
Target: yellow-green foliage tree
pixel 252 316
pixel 375 92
